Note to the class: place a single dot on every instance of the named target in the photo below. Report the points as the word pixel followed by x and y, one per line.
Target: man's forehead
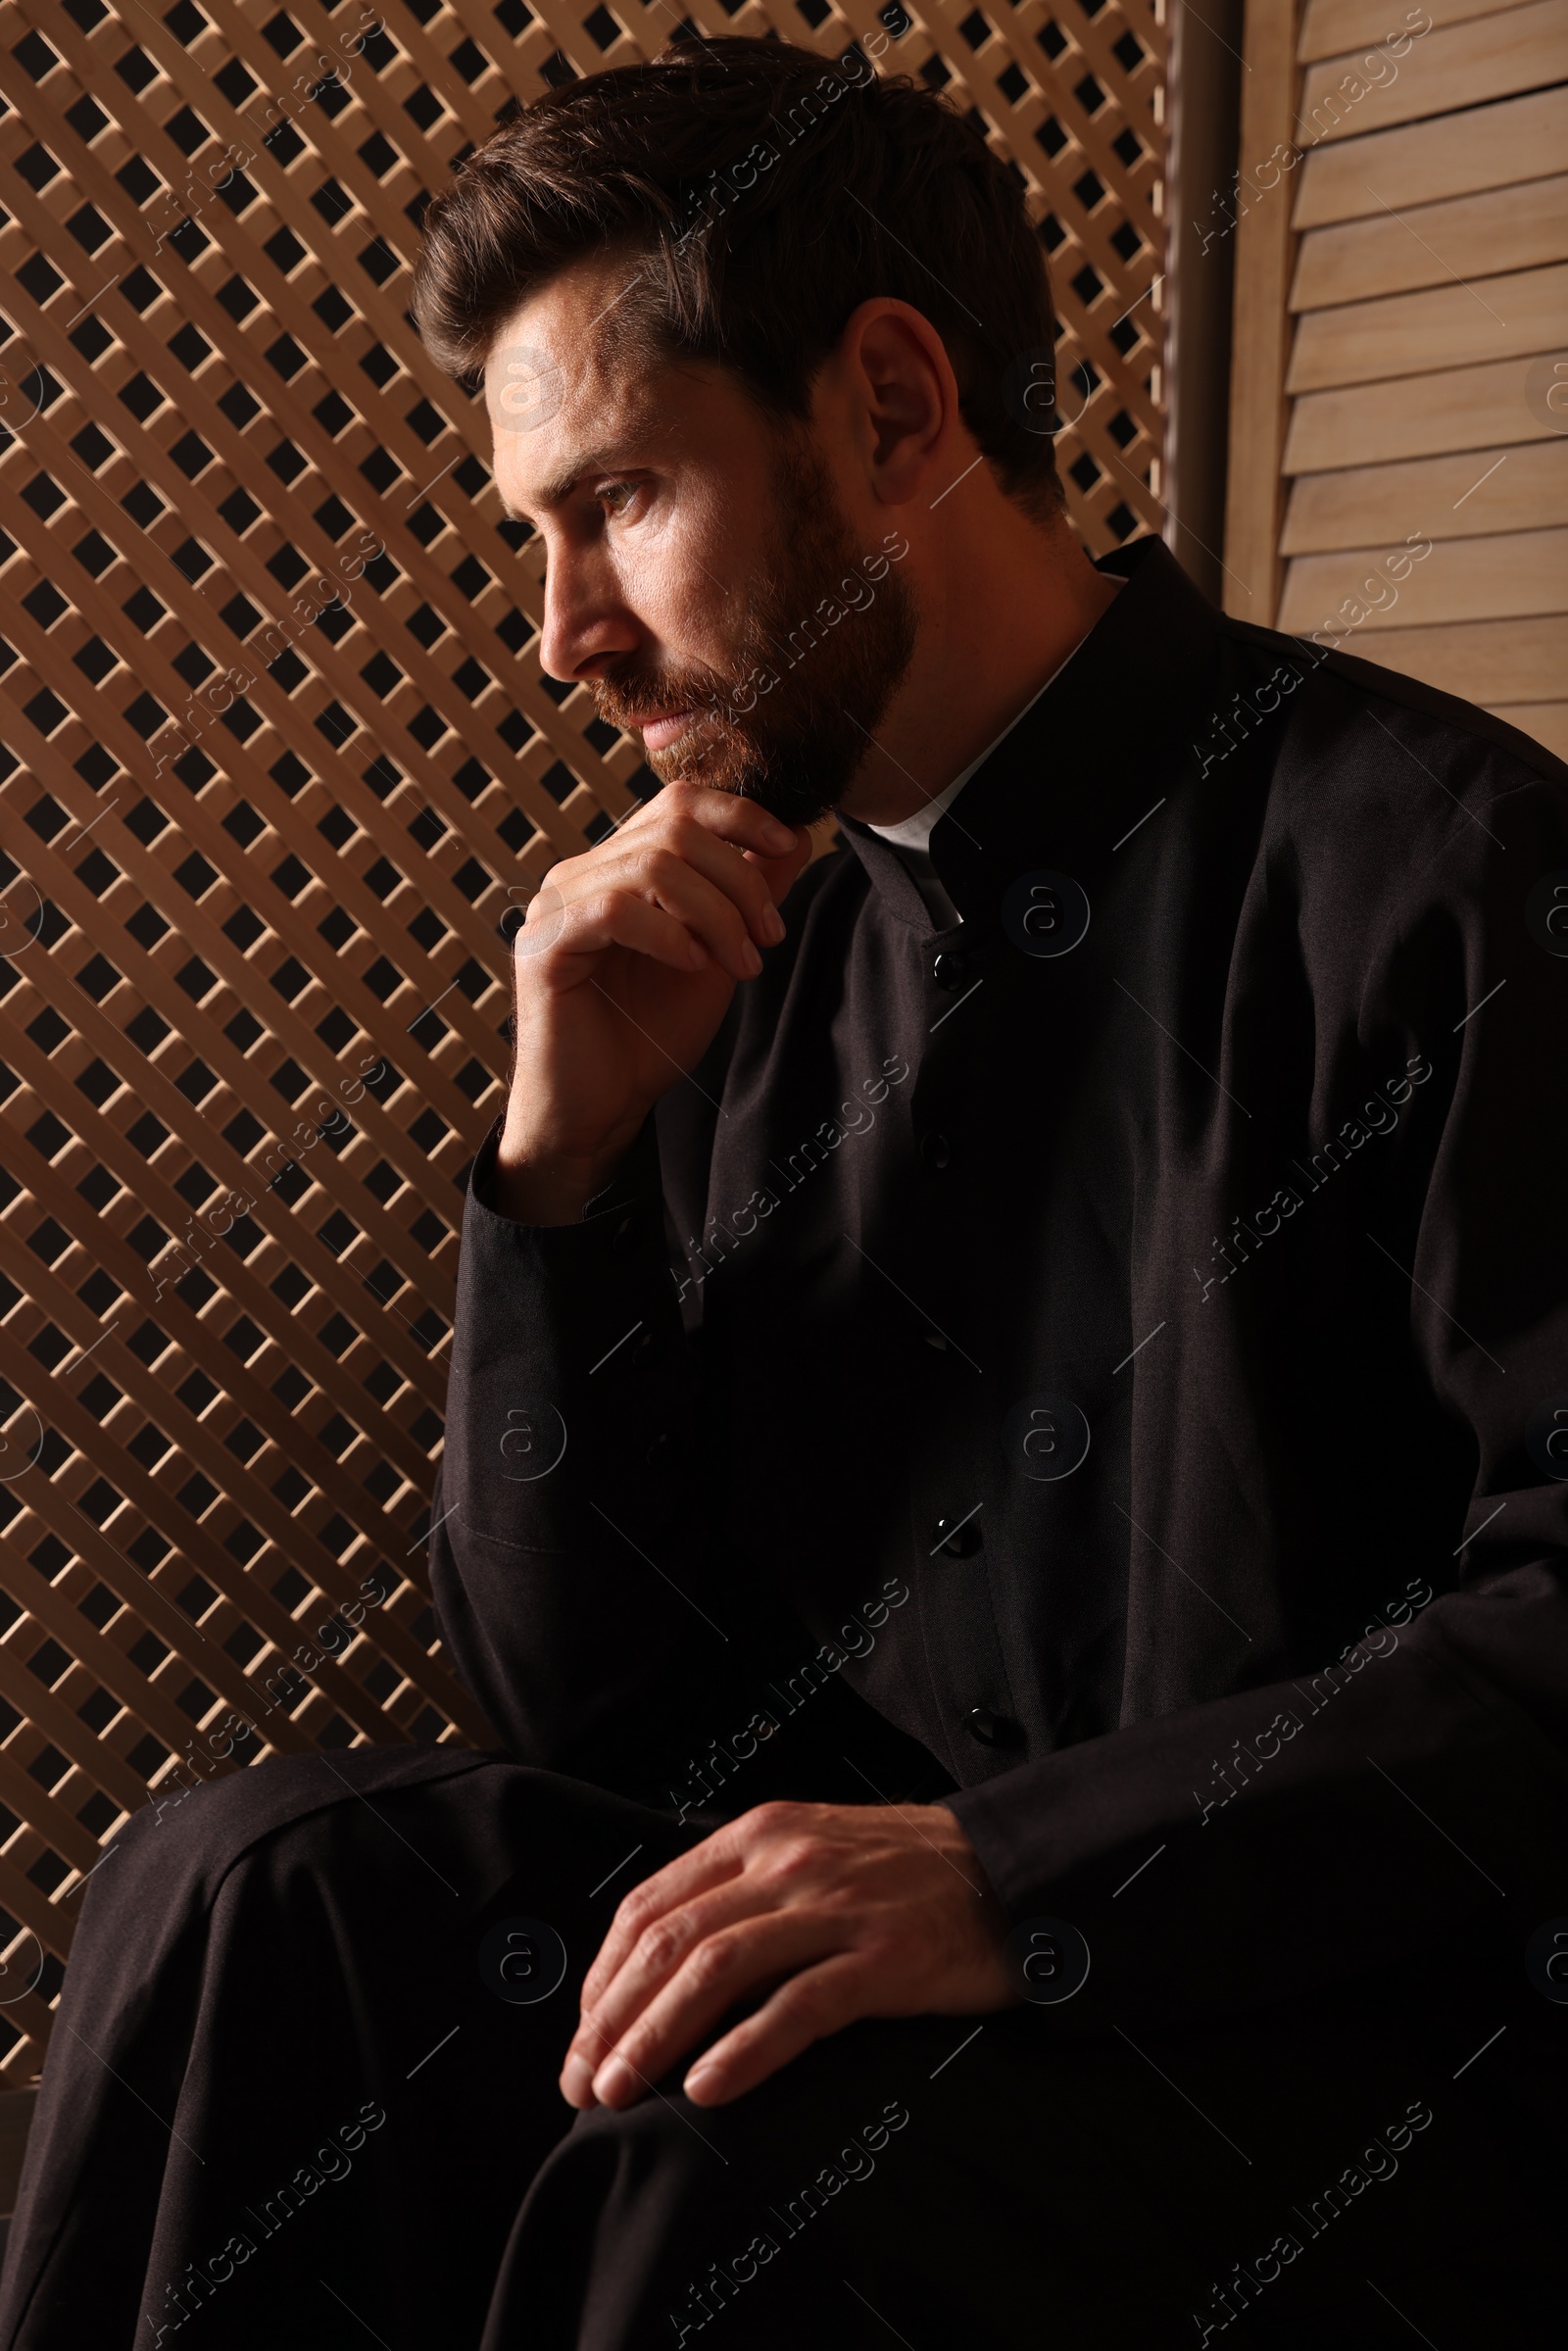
pixel 562 392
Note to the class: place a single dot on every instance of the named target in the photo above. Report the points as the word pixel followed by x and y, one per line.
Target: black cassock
pixel 1102 1363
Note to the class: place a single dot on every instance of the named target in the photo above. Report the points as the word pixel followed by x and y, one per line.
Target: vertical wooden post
pixel 1261 327
pixel 1203 116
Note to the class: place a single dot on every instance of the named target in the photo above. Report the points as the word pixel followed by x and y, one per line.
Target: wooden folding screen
pixel 1404 381
pixel 279 770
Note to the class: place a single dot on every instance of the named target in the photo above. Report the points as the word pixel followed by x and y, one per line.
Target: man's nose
pixel 586 617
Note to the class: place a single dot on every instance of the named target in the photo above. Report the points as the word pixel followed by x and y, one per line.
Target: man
pixel 1003 1485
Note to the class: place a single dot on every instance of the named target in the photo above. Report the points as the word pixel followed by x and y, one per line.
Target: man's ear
pixel 893 369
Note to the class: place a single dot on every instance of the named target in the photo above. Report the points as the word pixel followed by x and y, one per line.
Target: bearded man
pixel 1003 1487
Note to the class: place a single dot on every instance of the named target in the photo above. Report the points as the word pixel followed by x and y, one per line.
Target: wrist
pixel 949 1835
pixel 547 1190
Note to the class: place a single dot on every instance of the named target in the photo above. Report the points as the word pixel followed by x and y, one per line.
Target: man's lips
pixel 657 732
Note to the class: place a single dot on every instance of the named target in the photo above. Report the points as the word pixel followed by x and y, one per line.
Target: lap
pixel 256 1965
pixel 1314 2169
pixel 309 1937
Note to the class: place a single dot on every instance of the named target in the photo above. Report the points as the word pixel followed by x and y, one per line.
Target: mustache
pixel 626 702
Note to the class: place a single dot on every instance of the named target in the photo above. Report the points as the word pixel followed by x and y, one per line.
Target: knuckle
pixel 661 1945
pixel 777 1817
pixel 612 900
pixel 632 1914
pixel 804 2004
pixel 711 1963
pixel 791 1861
pixel 878 1957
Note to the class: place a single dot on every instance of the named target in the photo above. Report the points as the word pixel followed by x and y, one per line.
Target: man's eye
pixel 617 494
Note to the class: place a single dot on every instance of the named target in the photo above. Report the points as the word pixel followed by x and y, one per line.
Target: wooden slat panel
pixel 224 1307
pixel 1461 408
pixel 1457 579
pixel 1482 661
pixel 1547 721
pixel 1332 27
pixel 1431 244
pixel 1454 66
pixel 1494 146
pixel 1464 496
pixel 1517 312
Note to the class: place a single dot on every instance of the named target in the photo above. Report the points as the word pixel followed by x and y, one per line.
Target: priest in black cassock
pixel 1006 1472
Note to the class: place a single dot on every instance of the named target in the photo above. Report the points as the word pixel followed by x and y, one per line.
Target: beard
pixel 792 716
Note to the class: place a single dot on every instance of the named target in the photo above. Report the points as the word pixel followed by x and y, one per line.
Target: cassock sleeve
pixel 567 1545
pixel 1418 1788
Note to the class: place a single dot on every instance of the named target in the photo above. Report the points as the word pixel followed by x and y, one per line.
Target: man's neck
pixel 988 645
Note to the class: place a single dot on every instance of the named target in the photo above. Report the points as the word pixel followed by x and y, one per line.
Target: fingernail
pixel 751 958
pixel 700 2078
pixel 613 2080
pixel 772 926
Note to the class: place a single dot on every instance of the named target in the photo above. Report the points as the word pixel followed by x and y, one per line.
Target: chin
pixel 801 784
pixel 794 780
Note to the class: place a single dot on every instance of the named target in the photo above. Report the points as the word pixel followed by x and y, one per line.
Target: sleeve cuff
pixel 635 1182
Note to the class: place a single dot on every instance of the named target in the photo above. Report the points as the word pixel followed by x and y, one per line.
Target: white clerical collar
pixel 914 832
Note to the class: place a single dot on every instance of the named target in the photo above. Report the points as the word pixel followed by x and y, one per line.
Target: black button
pixel 991 1730
pixel 958 1539
pixel 644 1348
pixel 935 1339
pixel 952 972
pixel 935 1149
pixel 624 1236
pixel 657 1452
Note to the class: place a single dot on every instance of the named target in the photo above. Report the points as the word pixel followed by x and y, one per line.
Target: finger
pixel 706 837
pixel 592 914
pixel 733 815
pixel 659 1951
pixel 722 1971
pixel 707 909
pixel 711 1863
pixel 811 2004
pixel 611 917
pixel 740 877
pixel 779 851
pixel 782 872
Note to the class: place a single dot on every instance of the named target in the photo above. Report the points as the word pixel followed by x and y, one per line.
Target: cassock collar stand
pixel 1101 746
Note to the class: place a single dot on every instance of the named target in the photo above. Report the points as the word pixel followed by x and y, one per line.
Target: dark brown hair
pixel 767 191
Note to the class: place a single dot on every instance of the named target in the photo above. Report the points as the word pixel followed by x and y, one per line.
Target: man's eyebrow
pixel 560 485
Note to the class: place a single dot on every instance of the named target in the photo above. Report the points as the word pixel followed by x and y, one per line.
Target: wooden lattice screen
pixel 279 772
